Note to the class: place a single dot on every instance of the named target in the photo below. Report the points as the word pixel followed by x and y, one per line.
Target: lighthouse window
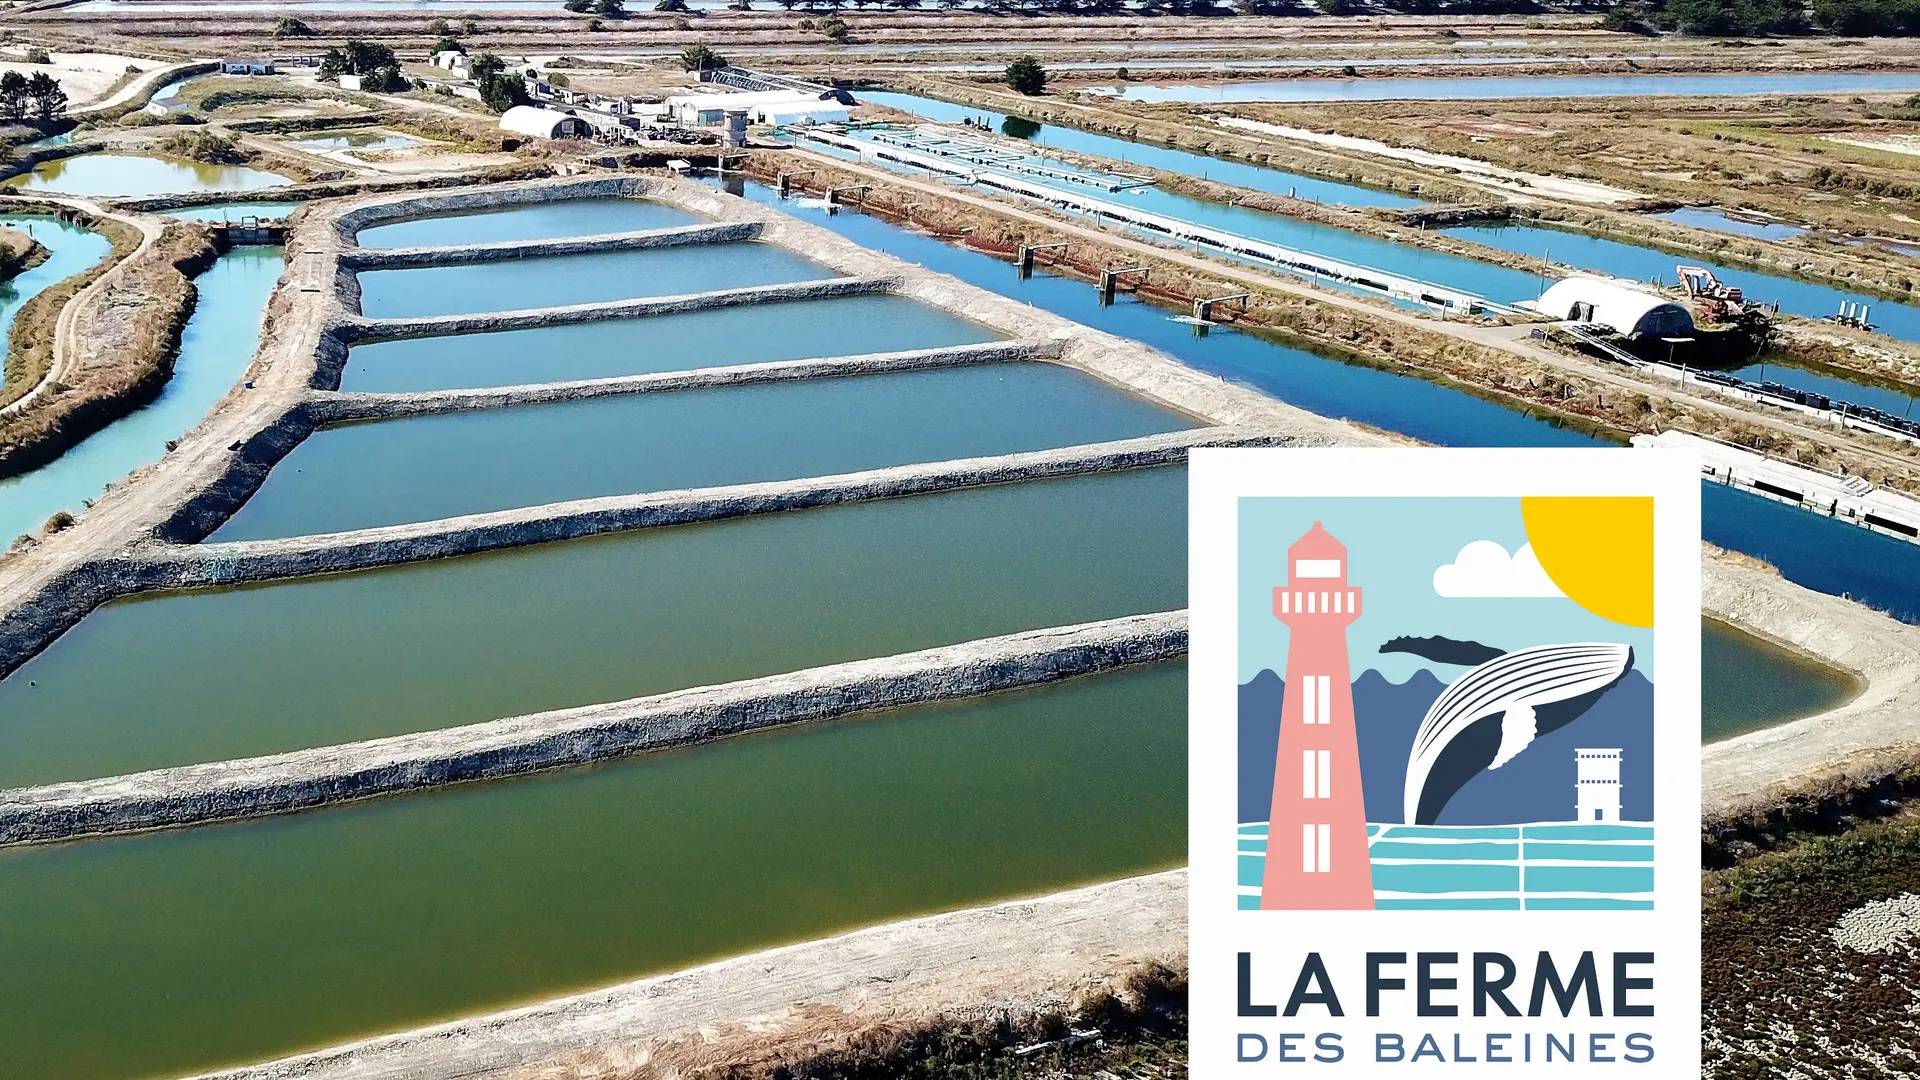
pixel 1316 849
pixel 1316 568
pixel 1316 699
pixel 1316 774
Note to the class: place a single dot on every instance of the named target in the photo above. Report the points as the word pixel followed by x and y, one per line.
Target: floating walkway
pixel 1304 264
pixel 1844 498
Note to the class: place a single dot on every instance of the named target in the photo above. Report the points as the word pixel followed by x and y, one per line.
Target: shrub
pixel 288 26
pixel 204 146
pixel 59 522
pixel 699 57
pixel 36 56
pixel 1026 76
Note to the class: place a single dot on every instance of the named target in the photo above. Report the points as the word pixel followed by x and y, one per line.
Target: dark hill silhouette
pixel 1536 786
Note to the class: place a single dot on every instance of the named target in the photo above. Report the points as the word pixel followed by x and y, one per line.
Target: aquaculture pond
pixel 235 211
pixel 447 464
pixel 1758 684
pixel 1644 264
pixel 1274 181
pixel 1811 550
pixel 231 943
pixel 70 250
pixel 359 139
pixel 557 280
pixel 539 221
pixel 215 347
pixel 1495 87
pixel 742 334
pixel 226 673
pixel 129 175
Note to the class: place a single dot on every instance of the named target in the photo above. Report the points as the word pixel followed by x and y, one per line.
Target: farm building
pixel 707 110
pixel 1629 311
pixel 544 123
pixel 246 67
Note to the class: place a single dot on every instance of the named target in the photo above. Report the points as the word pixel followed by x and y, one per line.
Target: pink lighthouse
pixel 1317 834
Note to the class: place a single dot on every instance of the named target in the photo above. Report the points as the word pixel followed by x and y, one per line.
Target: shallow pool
pixel 179 952
pixel 223 673
pixel 448 464
pixel 558 280
pixel 1752 683
pixel 130 175
pixel 1703 218
pixel 744 334
pixel 540 221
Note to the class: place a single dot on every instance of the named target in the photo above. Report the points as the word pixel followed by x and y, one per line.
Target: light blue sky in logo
pixel 1393 547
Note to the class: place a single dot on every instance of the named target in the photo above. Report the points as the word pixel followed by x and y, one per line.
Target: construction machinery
pixel 1713 300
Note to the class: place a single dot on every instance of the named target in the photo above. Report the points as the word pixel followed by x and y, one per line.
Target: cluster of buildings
pixel 739 99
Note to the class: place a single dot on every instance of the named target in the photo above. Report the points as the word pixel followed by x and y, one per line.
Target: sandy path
pixel 1468 169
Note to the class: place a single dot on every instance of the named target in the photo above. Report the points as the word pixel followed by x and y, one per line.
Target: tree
pixel 499 90
pixel 1026 75
pixel 578 6
pixel 13 96
pixel 612 9
pixel 288 26
pixel 449 43
pixel 701 58
pixel 357 57
pixel 671 5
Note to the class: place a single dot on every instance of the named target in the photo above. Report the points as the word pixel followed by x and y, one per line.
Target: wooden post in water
pixel 1026 256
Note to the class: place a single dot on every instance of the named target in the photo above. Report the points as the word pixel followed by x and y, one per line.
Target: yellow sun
pixel 1599 551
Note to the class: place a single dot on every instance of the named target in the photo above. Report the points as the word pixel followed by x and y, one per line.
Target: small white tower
pixel 1597 791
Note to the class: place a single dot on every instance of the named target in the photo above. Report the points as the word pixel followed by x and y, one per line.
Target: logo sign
pixel 1445 761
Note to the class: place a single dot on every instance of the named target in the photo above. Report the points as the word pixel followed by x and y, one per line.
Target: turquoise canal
pixel 1810 550
pixel 1756 684
pixel 543 221
pixel 744 334
pixel 215 348
pixel 448 464
pixel 70 250
pixel 559 280
pixel 130 176
pixel 228 673
pixel 174 953
pixel 1240 173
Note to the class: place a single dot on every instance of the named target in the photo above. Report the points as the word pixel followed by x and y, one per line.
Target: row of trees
pixel 1744 18
pixel 39 97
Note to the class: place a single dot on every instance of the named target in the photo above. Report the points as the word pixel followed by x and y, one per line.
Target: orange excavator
pixel 1715 300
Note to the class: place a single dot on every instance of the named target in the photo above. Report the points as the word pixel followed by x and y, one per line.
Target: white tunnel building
pixel 1629 311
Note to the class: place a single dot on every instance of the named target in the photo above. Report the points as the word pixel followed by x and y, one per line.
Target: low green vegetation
pixel 204 146
pixel 1782 997
pixel 288 26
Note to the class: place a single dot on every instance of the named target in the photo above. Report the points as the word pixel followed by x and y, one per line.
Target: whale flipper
pixel 1517 729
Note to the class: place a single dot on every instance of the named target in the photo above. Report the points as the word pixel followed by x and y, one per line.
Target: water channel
pixel 1613 257
pixel 1820 554
pixel 215 347
pixel 177 952
pixel 204 676
pixel 70 250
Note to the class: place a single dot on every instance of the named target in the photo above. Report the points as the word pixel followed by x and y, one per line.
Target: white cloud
pixel 1483 568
